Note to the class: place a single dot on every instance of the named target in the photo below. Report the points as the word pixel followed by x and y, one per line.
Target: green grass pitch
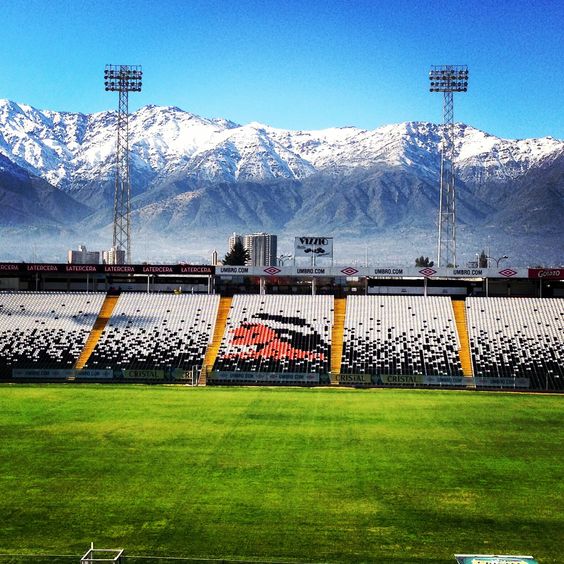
pixel 281 474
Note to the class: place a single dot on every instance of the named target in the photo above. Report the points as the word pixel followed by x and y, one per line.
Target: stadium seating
pixel 518 337
pixel 156 331
pixel 277 333
pixel 396 335
pixel 400 335
pixel 44 329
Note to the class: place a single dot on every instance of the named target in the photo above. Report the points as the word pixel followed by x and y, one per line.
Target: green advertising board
pixel 402 379
pixel 493 559
pixel 144 374
pixel 355 378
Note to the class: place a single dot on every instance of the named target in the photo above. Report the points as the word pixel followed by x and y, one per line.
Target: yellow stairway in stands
pixel 459 307
pixel 213 349
pixel 340 305
pixel 99 324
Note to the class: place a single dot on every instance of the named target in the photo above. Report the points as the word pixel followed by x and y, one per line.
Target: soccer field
pixel 281 474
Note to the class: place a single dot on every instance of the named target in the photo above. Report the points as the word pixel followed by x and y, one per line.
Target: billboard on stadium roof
pixel 308 246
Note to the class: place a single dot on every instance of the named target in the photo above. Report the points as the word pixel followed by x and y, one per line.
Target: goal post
pixel 93 555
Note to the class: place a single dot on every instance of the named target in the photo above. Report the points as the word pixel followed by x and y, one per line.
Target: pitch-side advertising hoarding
pixel 493 559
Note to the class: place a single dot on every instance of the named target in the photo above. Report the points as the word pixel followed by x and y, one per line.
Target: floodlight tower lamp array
pixel 448 78
pixel 123 77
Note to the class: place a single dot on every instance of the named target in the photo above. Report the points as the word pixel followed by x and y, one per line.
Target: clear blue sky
pixel 296 64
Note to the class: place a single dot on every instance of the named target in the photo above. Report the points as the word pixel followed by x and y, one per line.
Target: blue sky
pixel 296 64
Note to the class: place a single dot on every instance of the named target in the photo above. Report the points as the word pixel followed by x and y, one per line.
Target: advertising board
pixel 50 374
pixel 355 378
pixel 447 381
pixel 308 246
pixel 402 379
pixel 94 374
pixel 62 373
pixel 195 269
pixel 144 374
pixel 419 379
pixel 274 377
pixel 493 559
pixel 502 382
pixel 303 247
pixel 370 272
pixel 546 273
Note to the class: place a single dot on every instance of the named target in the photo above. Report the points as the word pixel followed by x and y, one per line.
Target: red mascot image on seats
pixel 276 338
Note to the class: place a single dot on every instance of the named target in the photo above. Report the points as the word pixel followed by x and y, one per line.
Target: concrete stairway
pixel 99 325
pixel 219 330
pixel 459 307
pixel 337 338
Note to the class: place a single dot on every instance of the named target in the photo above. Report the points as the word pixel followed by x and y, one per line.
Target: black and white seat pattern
pixel 283 333
pixel 400 335
pixel 161 331
pixel 45 329
pixel 518 337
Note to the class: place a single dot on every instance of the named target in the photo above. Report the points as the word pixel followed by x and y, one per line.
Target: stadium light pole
pixel 447 79
pixel 283 258
pixel 123 79
pixel 497 260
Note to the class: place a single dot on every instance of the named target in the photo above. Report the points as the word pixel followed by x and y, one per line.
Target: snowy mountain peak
pixel 70 149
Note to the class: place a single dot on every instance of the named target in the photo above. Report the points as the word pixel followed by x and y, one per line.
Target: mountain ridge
pixel 70 146
pixel 192 174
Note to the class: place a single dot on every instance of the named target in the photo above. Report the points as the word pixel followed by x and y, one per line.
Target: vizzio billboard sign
pixel 313 247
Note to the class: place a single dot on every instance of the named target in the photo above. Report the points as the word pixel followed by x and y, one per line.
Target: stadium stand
pixel 302 334
pixel 277 333
pixel 44 329
pixel 518 337
pixel 400 335
pixel 156 331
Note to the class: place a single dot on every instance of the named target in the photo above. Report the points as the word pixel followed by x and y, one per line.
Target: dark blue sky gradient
pixel 303 64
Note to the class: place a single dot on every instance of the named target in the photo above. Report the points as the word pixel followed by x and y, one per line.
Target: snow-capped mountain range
pixel 192 173
pixel 66 149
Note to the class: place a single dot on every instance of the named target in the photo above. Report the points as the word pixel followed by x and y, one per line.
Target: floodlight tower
pixel 123 79
pixel 447 79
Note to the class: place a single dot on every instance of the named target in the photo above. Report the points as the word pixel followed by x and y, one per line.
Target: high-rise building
pixel 113 256
pixel 83 256
pixel 262 249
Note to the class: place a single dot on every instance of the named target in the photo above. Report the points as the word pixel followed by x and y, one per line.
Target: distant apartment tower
pixel 215 258
pixel 83 256
pixel 113 256
pixel 262 249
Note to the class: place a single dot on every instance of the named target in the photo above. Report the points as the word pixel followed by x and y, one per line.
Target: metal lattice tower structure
pixel 447 79
pixel 123 79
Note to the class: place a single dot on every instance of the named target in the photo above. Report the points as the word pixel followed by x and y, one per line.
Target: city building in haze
pixel 262 247
pixel 83 256
pixel 113 256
